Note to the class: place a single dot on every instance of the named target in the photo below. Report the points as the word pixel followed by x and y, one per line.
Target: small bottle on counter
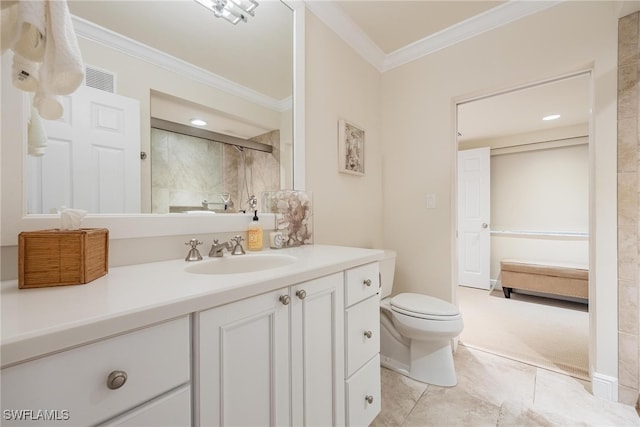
pixel 254 234
pixel 276 241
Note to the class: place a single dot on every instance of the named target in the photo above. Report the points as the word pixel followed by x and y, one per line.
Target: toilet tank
pixel 387 270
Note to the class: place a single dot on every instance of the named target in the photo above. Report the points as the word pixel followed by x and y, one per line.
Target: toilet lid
pixel 419 305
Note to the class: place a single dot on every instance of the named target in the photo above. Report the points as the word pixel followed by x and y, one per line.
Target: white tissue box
pixel 62 257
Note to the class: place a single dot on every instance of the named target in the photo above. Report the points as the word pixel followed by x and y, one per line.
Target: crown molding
pixel 491 19
pixel 334 17
pixel 113 40
pixel 341 24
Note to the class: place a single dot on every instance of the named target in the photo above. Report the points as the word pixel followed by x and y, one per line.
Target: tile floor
pixel 494 391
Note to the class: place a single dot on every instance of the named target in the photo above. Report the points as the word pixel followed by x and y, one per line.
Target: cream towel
pixel 30 29
pixel 25 73
pixel 36 135
pixel 62 71
pixel 48 105
pixel 8 26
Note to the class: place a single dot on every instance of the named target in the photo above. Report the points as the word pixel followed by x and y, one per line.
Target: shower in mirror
pixel 196 175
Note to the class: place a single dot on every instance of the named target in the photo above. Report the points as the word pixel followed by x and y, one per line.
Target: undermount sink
pixel 235 264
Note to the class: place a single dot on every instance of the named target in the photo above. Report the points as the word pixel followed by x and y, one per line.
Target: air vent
pixel 100 79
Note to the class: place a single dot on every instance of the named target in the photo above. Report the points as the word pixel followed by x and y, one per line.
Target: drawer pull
pixel 285 299
pixel 368 334
pixel 367 282
pixel 369 399
pixel 302 294
pixel 116 379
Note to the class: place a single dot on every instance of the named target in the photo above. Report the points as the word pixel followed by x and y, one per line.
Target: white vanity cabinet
pixel 274 359
pixel 140 376
pixel 362 340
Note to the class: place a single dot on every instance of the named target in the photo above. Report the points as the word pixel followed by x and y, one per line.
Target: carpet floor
pixel 543 332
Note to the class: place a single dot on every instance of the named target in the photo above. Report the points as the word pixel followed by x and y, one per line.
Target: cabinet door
pixel 244 362
pixel 317 343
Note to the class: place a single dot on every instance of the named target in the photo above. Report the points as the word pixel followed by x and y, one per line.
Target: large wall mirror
pixel 178 63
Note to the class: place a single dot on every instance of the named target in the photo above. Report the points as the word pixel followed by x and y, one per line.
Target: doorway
pixel 539 191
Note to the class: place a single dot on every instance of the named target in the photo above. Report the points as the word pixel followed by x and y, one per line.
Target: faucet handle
pixel 238 249
pixel 193 243
pixel 194 254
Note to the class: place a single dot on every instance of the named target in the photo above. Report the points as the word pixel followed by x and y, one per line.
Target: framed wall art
pixel 350 148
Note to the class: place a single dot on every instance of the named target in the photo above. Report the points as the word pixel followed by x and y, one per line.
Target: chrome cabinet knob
pixel 367 282
pixel 302 294
pixel 285 299
pixel 116 379
pixel 485 225
pixel 368 334
pixel 369 399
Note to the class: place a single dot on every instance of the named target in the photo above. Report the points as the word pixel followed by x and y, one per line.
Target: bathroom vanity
pixel 155 344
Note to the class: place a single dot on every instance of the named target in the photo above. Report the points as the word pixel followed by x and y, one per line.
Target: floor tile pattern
pixel 495 391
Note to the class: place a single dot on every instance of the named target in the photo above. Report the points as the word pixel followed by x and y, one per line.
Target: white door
pixel 473 217
pixel 92 161
pixel 317 346
pixel 244 363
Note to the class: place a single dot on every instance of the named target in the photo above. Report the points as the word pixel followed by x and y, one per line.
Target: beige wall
pixel 544 191
pixel 341 85
pixel 541 190
pixel 417 129
pixel 628 209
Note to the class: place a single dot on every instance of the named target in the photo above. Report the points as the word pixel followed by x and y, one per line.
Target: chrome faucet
pixel 237 248
pixel 217 248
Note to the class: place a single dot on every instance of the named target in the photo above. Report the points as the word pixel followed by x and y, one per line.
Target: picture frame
pixel 351 145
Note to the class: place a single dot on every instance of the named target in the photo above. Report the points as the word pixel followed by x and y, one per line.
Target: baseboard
pixel 604 387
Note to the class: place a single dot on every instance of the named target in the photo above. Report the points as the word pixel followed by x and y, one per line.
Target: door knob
pixel 369 399
pixel 367 282
pixel 302 294
pixel 368 334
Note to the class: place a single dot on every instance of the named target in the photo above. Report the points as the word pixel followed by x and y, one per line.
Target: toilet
pixel 416 332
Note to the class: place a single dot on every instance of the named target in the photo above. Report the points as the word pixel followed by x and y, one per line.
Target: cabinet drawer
pixel 362 326
pixel 363 394
pixel 361 283
pixel 74 382
pixel 169 410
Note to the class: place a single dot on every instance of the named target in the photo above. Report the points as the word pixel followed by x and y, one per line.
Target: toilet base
pixel 432 363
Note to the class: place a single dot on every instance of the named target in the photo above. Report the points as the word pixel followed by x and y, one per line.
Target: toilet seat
pixel 424 307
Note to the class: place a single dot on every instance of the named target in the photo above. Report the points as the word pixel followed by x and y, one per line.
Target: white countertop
pixel 44 320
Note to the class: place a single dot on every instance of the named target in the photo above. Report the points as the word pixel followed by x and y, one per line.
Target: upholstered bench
pixel 569 280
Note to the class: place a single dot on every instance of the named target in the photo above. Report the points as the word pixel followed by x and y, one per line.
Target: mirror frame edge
pixel 125 226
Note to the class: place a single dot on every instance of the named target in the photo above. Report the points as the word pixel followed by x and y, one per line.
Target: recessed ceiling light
pixel 198 122
pixel 551 117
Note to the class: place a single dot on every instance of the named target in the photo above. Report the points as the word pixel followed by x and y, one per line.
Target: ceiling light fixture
pixel 233 11
pixel 198 122
pixel 551 117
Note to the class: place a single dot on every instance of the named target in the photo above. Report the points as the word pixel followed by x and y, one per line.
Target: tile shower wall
pixel 186 170
pixel 628 209
pixel 262 170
